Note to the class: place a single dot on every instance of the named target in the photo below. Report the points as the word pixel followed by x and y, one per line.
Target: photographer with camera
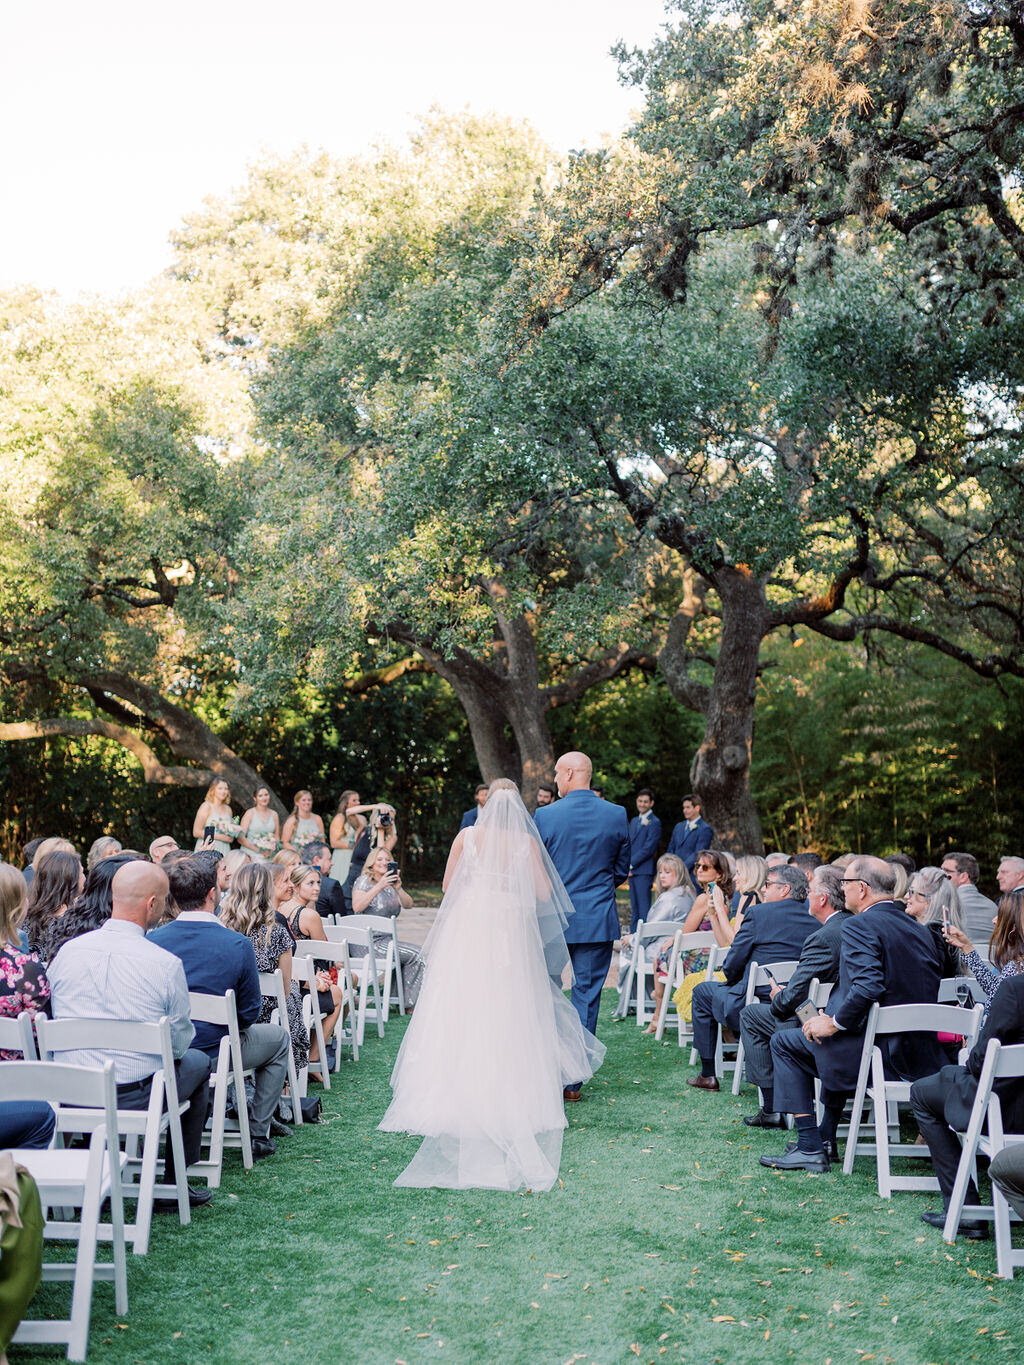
pixel 381 831
pixel 379 891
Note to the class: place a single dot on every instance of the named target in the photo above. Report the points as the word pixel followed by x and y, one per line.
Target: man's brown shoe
pixel 703 1082
pixel 571 1096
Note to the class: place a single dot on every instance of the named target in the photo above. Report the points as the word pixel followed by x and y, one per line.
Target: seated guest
pixel 161 846
pixel 1009 875
pixel 546 793
pixel 303 921
pixel 380 832
pixel 249 909
pixel 23 983
pixel 942 1102
pixel 749 879
pixel 329 899
pixel 26 1123
pixel 227 867
pixel 899 890
pixel 1006 949
pixel 217 959
pixel 771 932
pixel 103 847
pixel 286 857
pixel 1005 1170
pixel 710 914
pixel 28 852
pixel 931 899
pixel 691 835
pixel 675 901
pixel 776 859
pixel 819 958
pixel 886 956
pixel 116 972
pixel 59 879
pixel 978 911
pixel 92 908
pixel 471 815
pixel 808 863
pixel 644 838
pixel 379 891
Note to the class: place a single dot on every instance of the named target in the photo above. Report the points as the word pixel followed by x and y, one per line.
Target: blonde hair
pixel 249 903
pixel 303 791
pixel 297 874
pixel 13 899
pixel 285 857
pixel 213 787
pixel 751 872
pixel 51 846
pixel 676 864
pixel 902 877
pixel 234 860
pixel 368 865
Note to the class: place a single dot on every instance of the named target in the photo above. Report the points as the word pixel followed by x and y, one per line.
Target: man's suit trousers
pixel 713 1004
pixel 639 897
pixel 758 1026
pixel 590 963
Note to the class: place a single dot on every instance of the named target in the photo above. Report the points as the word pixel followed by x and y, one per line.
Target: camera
pixel 392 866
pixel 384 818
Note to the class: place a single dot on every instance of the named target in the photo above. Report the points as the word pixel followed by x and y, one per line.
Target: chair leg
pixel 737 1075
pixel 855 1121
pixel 881 1117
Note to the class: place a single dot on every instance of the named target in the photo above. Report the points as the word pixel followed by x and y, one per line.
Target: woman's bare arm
pixel 454 856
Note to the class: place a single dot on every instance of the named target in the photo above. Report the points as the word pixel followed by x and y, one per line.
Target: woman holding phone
pixel 379 891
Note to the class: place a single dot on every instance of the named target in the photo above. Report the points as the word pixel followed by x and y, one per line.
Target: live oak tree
pixel 815 243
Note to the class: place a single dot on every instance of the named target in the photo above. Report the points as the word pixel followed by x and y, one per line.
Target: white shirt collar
pixel 123 926
pixel 199 916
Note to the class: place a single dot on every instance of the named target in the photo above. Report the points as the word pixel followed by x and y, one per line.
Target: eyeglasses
pixel 783 884
pixel 919 894
pixel 852 881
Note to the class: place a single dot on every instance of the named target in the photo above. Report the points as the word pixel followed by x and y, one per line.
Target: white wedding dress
pixel 493 1040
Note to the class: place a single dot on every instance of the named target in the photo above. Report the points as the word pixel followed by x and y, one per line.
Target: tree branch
pixel 153 770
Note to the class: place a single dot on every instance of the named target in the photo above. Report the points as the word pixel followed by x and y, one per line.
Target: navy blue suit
pixel 469 818
pixel 687 843
pixel 885 956
pixel 643 855
pixel 588 840
pixel 216 959
pixel 773 932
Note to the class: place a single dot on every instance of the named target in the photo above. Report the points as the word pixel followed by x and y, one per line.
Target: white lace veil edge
pixel 502 856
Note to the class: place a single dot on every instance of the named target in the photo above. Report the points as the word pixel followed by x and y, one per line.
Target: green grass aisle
pixel 666 1241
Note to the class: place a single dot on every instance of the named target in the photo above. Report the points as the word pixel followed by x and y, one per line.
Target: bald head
pixel 161 846
pixel 573 772
pixel 868 880
pixel 139 892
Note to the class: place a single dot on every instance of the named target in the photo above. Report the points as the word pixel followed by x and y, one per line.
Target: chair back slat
pixel 83 1087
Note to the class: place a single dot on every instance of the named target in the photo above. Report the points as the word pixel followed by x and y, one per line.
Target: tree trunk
pixel 720 771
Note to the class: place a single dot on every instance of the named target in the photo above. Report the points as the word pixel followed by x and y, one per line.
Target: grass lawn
pixel 665 1240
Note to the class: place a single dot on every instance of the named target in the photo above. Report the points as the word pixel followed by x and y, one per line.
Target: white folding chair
pixel 333 953
pixel 366 966
pixel 304 971
pixel 272 988
pixel 16 1035
pixel 1000 1064
pixel 886 1095
pixel 668 1015
pixel 220 1010
pixel 390 966
pixel 82 1179
pixel 955 990
pixel 640 972
pixel 757 977
pixel 160 1119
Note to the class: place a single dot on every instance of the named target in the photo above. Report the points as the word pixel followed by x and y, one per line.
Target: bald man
pixel 115 972
pixel 884 956
pixel 588 840
pixel 161 846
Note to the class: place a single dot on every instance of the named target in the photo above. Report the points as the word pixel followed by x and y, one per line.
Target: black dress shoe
pixel 827 1147
pixel 262 1147
pixel 703 1082
pixel 279 1129
pixel 168 1203
pixel 815 1162
pixel 970 1229
pixel 764 1118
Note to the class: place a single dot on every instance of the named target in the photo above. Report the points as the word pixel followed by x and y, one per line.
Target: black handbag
pixel 311 1108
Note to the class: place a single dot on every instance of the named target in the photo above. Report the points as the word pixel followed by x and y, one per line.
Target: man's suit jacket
pixel 1005 1021
pixel 885 956
pixel 216 959
pixel 819 958
pixel 979 912
pixel 588 840
pixel 686 843
pixel 643 844
pixel 772 932
pixel 469 817
pixel 330 900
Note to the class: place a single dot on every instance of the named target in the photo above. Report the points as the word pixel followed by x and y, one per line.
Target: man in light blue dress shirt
pixel 115 972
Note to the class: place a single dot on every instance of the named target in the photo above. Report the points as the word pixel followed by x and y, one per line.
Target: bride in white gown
pixel 493 1040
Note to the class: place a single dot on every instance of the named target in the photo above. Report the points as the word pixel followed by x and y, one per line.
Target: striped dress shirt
pixel 115 972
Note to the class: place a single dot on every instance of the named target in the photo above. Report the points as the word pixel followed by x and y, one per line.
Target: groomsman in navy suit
pixel 470 816
pixel 588 840
pixel 692 835
pixel 644 838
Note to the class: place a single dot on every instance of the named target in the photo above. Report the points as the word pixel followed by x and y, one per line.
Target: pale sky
pixel 120 116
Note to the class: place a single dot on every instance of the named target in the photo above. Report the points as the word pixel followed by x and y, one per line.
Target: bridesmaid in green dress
pixel 346 828
pixel 302 826
pixel 261 828
pixel 216 811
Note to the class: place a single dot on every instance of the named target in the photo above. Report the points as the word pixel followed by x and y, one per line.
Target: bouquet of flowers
pixel 299 841
pixel 265 844
pixel 226 829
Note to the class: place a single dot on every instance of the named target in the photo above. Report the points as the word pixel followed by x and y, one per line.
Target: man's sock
pixel 808 1139
pixel 707 1068
pixel 830 1122
pixel 768 1101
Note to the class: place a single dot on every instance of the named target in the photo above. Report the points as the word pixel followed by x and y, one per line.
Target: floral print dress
pixel 23 986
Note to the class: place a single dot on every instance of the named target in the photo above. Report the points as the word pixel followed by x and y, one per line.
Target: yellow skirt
pixel 682 997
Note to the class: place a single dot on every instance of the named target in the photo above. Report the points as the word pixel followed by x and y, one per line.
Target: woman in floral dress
pixel 23 983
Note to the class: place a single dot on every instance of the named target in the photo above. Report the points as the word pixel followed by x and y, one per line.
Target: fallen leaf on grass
pixel 635 1348
pixel 722 1317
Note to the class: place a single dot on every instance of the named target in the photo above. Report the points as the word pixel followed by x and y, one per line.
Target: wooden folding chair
pixel 365 966
pixel 221 1010
pixel 160 1119
pixel 886 1095
pixel 272 988
pixel 81 1178
pixel 758 977
pixel 1000 1064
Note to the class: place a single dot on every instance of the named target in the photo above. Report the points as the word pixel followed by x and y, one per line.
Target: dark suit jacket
pixel 469 817
pixel 773 932
pixel 819 958
pixel 1005 1021
pixel 885 956
pixel 588 840
pixel 643 844
pixel 687 843
pixel 215 959
pixel 330 900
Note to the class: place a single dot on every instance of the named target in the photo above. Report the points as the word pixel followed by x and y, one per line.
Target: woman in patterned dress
pixel 23 983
